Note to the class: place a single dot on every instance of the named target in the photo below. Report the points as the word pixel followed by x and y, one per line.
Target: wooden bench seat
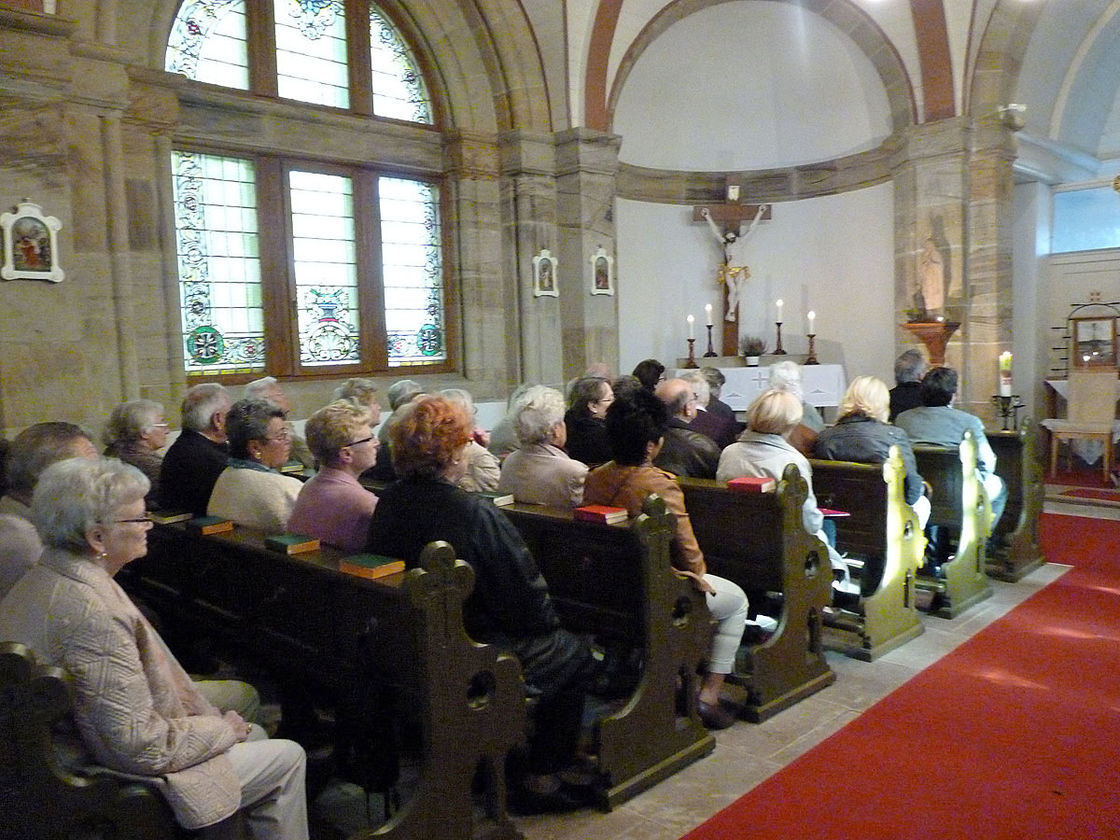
pixel 882 530
pixel 960 504
pixel 616 581
pixel 41 800
pixel 301 617
pixel 1017 464
pixel 757 541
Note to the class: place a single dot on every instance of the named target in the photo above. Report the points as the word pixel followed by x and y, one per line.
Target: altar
pixel 821 385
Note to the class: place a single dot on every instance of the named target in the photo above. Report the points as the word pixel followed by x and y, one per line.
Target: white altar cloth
pixel 821 385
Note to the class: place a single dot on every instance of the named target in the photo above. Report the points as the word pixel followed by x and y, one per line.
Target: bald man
pixel 686 452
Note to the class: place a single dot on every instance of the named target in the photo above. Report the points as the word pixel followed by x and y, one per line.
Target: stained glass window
pixel 325 260
pixel 412 270
pixel 311 52
pixel 219 262
pixel 398 86
pixel 208 43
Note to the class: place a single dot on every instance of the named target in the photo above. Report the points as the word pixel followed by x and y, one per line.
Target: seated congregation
pixel 71 519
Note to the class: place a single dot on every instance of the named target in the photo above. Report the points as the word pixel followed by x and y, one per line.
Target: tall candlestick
pixel 779 305
pixel 691 321
pixel 812 317
pixel 708 312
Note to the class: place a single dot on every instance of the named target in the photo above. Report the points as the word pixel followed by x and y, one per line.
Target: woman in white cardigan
pixel 136 710
pixel 252 491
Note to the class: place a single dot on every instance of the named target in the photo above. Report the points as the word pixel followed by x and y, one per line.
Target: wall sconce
pixel 1013 116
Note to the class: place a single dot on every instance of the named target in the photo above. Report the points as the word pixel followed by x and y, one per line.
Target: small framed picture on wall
pixel 544 275
pixel 602 273
pixel 30 245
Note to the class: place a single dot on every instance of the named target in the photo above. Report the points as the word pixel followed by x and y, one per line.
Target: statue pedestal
pixel 934 335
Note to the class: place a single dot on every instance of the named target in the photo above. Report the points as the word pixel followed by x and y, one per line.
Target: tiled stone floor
pixel 747 753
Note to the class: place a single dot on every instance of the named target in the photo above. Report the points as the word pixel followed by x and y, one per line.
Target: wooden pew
pixel 959 503
pixel 882 530
pixel 616 581
pixel 757 540
pixel 304 619
pixel 1017 464
pixel 39 799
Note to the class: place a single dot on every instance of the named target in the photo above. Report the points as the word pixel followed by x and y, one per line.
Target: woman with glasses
pixel 588 401
pixel 333 507
pixel 135 433
pixel 251 491
pixel 136 710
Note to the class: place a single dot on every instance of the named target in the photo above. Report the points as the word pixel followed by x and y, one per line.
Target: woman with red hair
pixel 510 606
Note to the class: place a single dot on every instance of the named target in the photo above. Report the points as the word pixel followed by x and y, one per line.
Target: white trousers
pixel 728 606
pixel 273 791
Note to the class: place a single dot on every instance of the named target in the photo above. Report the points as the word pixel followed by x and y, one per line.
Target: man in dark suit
pixel 719 426
pixel 685 452
pixel 909 368
pixel 199 454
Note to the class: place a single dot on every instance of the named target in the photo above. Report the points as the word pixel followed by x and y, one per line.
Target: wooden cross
pixel 731 215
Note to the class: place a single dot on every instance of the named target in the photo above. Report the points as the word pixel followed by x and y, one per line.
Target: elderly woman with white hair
pixel 135 709
pixel 135 433
pixel 483 468
pixel 333 507
pixel 540 471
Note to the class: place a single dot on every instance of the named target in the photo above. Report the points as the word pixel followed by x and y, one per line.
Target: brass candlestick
pixel 779 350
pixel 711 354
pixel 691 363
pixel 1008 408
pixel 812 360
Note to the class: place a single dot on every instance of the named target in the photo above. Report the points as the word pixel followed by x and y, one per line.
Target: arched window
pixel 289 264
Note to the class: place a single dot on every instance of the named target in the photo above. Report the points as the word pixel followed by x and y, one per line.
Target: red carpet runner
pixel 1015 734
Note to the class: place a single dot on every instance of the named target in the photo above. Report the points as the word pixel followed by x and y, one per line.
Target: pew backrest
pixel 303 618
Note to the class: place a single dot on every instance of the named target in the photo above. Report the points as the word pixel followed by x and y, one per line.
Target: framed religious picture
pixel 602 273
pixel 1094 341
pixel 544 275
pixel 30 245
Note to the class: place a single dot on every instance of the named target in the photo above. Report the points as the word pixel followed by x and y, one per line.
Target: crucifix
pixel 733 273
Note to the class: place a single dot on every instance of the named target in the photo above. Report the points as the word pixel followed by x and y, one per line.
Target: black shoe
pixel 714 716
pixel 524 801
pixel 845 600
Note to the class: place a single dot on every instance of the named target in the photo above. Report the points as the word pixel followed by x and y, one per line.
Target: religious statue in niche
pixel 30 244
pixel 734 272
pixel 935 288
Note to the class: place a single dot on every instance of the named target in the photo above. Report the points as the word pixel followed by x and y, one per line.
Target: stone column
pixel 954 187
pixel 988 261
pixel 486 283
pixel 528 200
pixel 586 170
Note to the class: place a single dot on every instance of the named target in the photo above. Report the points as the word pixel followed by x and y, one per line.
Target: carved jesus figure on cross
pixel 733 273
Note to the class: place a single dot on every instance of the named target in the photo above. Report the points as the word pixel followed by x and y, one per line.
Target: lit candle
pixel 1005 374
pixel 691 321
pixel 812 317
pixel 708 312
pixel 779 304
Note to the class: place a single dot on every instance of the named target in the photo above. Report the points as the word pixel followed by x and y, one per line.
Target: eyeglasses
pixel 282 436
pixel 363 440
pixel 146 519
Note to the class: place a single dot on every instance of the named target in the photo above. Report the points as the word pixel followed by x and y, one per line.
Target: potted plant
pixel 751 347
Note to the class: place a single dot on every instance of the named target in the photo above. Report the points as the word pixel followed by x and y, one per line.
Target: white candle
pixel 708 312
pixel 691 321
pixel 779 304
pixel 812 317
pixel 1005 374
